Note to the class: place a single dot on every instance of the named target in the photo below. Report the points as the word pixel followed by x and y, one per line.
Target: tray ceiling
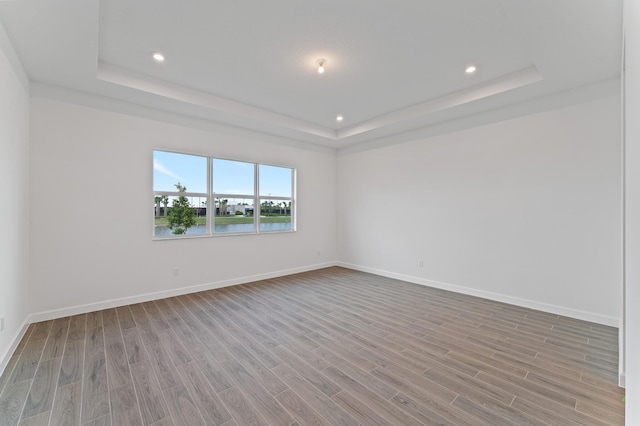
pixel 390 66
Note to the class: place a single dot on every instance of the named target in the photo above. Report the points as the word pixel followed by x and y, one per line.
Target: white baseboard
pixel 114 303
pixel 622 380
pixel 4 359
pixel 532 304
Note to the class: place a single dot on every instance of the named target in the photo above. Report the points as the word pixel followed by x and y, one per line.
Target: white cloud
pixel 158 166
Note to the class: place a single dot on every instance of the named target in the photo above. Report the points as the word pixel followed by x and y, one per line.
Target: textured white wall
pixel 92 188
pixel 526 210
pixel 632 214
pixel 14 210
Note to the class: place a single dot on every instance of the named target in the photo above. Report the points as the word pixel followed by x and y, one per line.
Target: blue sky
pixel 233 177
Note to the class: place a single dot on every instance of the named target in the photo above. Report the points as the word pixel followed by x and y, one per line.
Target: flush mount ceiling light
pixel 339 118
pixel 321 63
pixel 157 56
pixel 470 69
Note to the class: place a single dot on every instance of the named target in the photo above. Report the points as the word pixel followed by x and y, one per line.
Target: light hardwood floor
pixel 329 347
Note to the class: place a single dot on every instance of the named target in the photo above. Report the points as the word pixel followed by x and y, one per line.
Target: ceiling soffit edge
pixel 127 78
pixel 499 85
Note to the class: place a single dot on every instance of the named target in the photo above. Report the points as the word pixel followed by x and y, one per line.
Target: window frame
pixel 212 196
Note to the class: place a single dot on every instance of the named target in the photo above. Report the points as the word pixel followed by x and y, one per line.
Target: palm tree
pixel 158 200
pixel 165 201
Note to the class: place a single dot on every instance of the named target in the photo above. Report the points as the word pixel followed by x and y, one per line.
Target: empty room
pixel 320 213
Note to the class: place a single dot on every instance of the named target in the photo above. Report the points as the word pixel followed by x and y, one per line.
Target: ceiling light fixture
pixel 157 56
pixel 339 118
pixel 470 69
pixel 321 63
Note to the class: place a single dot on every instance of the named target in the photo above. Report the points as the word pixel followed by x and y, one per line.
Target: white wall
pixel 632 214
pixel 14 211
pixel 91 225
pixel 526 210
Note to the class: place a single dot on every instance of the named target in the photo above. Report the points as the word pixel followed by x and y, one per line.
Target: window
pixel 197 195
pixel 234 184
pixel 276 197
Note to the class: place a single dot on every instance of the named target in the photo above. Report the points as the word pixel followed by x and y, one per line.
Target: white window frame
pixel 211 197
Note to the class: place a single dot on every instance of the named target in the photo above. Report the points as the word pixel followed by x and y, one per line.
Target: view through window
pixel 199 195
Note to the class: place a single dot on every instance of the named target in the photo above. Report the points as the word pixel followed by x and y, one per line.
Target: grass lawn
pixel 220 220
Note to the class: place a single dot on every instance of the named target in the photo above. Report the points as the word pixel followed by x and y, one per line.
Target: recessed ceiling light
pixel 470 69
pixel 321 63
pixel 339 118
pixel 157 56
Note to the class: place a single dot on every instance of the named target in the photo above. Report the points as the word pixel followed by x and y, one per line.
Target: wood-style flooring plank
pixel 133 345
pixel 165 371
pixel 8 371
pixel 40 398
pixel 102 421
pixel 95 402
pixel 12 401
pixel 480 412
pixel 118 372
pixel 377 404
pixel 183 409
pixel 27 364
pixel 313 376
pixel 41 330
pixel 167 421
pixel 72 362
pixel 150 400
pixel 66 406
pixel 360 411
pixel 362 376
pixel 54 347
pixel 317 399
pixel 300 410
pixel 147 331
pixel 241 410
pixel 77 324
pixel 258 370
pixel 436 413
pixel 124 406
pixel 41 419
pixel 211 407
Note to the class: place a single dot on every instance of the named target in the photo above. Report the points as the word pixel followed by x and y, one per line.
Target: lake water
pixel 231 228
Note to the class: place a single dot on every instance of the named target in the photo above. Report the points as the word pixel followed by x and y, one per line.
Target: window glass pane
pixel 233 177
pixel 176 216
pixel 275 181
pixel 170 169
pixel 275 215
pixel 234 215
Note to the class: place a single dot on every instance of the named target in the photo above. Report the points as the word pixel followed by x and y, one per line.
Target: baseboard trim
pixel 114 303
pixel 545 307
pixel 622 380
pixel 4 359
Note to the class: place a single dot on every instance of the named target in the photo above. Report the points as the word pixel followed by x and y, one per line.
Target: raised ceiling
pixel 391 66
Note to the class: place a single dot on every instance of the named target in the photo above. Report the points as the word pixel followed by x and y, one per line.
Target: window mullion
pixel 256 197
pixel 210 227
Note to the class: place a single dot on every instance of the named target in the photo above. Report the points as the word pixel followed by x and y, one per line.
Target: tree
pixel 165 201
pixel 181 216
pixel 264 207
pixel 158 200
